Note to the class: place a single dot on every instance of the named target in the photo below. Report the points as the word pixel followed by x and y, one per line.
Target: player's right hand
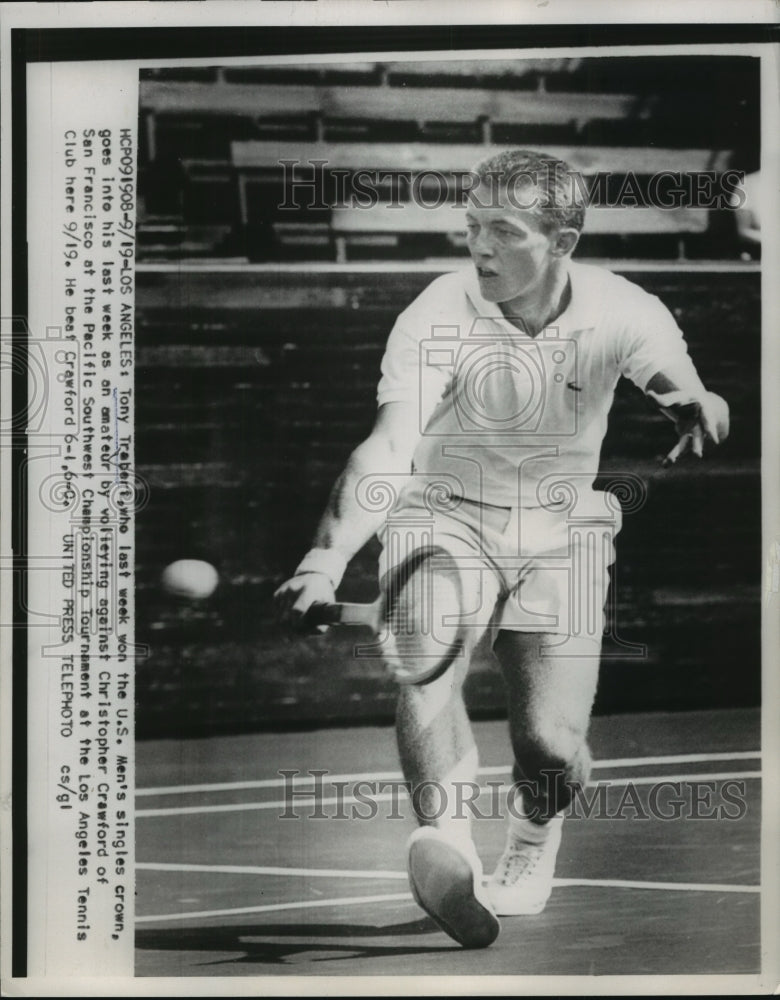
pixel 294 598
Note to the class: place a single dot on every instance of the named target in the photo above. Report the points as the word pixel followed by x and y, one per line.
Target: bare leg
pixel 551 691
pixel 436 746
pixel 439 758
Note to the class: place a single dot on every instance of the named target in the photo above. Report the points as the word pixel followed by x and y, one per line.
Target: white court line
pixel 304 779
pixel 646 779
pixel 402 876
pixel 367 800
pixel 682 758
pixel 689 758
pixel 395 897
pixel 303 904
pixel 269 870
pixel 620 883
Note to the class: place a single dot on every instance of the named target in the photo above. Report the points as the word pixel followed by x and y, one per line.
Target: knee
pixel 421 636
pixel 426 701
pixel 551 761
pixel 552 744
pixel 424 663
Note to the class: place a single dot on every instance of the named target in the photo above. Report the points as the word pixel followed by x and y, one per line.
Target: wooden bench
pixel 253 160
pixel 363 225
pixel 461 157
pixel 378 103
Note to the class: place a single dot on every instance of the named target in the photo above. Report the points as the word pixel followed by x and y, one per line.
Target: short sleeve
pixel 408 374
pixel 651 342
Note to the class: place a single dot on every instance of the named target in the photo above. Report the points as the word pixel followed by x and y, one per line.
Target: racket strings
pixel 410 611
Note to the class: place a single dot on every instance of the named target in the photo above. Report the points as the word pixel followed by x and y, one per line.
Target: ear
pixel 564 242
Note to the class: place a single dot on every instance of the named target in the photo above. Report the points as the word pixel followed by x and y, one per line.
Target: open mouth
pixel 485 272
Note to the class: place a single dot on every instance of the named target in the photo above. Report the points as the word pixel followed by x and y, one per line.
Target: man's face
pixel 511 254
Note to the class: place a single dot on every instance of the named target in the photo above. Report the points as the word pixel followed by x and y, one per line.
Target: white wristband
pixel 329 562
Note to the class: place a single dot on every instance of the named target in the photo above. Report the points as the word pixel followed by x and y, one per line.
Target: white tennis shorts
pixel 527 569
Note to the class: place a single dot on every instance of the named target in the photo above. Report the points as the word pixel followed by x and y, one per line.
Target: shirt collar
pixel 580 314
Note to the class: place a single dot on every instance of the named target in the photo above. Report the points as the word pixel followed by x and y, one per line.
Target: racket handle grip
pixel 323 614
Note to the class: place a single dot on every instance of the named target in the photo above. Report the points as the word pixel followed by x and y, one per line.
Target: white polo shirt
pixel 505 416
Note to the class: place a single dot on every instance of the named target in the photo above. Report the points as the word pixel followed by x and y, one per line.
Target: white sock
pixel 523 828
pixel 458 831
pixel 455 821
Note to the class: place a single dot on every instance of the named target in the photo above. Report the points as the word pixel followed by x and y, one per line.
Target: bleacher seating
pixel 368 223
pixel 367 102
pixel 460 158
pixel 214 139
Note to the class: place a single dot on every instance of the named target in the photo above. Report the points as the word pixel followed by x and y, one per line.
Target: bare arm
pixel 347 524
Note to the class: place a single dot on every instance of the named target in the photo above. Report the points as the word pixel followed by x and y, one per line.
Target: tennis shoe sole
pixel 447 884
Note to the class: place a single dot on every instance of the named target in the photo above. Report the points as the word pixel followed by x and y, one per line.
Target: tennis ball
pixel 192 578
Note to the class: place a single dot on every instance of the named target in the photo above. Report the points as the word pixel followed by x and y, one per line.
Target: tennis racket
pixel 378 616
pixel 345 613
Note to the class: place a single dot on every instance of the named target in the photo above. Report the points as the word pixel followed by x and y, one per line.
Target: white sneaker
pixel 522 881
pixel 446 881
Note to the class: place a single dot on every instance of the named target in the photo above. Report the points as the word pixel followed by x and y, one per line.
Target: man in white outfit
pixel 493 401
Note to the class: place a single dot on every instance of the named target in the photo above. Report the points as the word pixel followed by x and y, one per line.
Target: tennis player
pixel 495 388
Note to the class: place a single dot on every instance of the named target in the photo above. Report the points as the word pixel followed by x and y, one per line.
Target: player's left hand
pixel 695 419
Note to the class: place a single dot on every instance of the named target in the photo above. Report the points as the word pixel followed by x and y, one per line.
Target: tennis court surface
pixel 238 876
